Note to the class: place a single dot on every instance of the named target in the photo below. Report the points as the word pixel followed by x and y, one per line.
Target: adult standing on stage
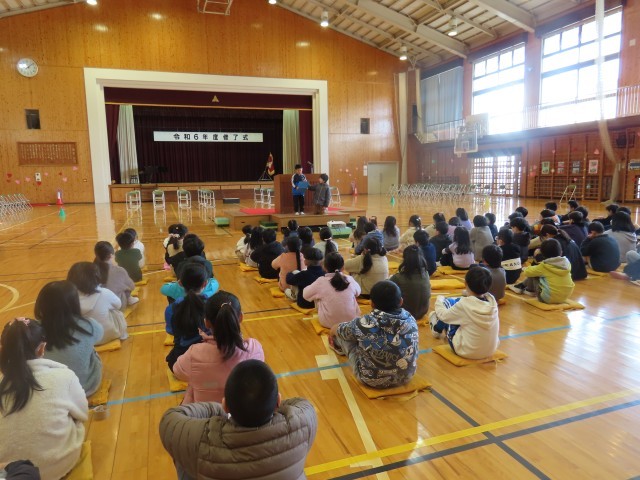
pixel 299 184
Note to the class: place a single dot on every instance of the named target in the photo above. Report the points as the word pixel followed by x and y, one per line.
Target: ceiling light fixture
pixel 403 53
pixel 273 2
pixel 324 19
pixel 453 27
pixel 92 2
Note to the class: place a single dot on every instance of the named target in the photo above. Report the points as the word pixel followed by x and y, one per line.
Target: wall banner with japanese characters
pixel 207 137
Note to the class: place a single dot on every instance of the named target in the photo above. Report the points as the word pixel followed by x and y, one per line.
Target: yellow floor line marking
pixel 15 295
pixel 361 425
pixel 17 306
pixel 468 432
pixel 57 212
pixel 272 316
pixel 146 332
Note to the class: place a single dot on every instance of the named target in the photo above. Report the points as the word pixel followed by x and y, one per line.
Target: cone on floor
pixel 62 214
pixel 59 199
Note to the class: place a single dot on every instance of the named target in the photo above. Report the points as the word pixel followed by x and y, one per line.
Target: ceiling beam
pixel 409 25
pixel 449 11
pixel 509 12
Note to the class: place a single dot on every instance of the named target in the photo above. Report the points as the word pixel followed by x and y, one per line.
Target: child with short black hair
pixel 371 231
pixel 193 248
pixel 421 237
pixel 491 223
pixel 241 246
pixel 299 280
pixel 521 236
pixel 413 280
pixel 470 324
pixel 128 257
pixel 480 236
pixel 550 280
pixel 576 228
pixel 173 243
pixel 266 253
pixel 251 433
pixel 254 242
pixel 492 258
pixel 137 244
pixel 441 240
pixel 382 346
pixel 306 237
pixel 334 293
pixel 600 250
pixel 299 185
pixel 511 261
pixel 321 195
pixel 291 230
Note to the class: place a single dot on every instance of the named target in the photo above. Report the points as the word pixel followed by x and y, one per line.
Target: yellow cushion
pixel 246 268
pixel 168 340
pixel 393 265
pixel 276 292
pixel 363 301
pixel 109 347
pixel 135 292
pixel 102 394
pixel 445 352
pixel 423 321
pixel 446 284
pixel 568 305
pixel 306 311
pixel 403 392
pixel 447 270
pixel 144 281
pixel 128 311
pixel 265 280
pixel 319 329
pixel 83 469
pixel 175 385
pixel 170 278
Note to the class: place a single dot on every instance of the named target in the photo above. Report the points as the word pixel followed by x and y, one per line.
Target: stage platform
pixel 239 219
pixel 242 190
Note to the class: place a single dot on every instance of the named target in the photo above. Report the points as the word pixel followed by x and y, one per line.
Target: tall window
pixel 497 175
pixel 568 90
pixel 498 89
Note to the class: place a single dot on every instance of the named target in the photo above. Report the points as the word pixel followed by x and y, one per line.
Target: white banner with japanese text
pixel 206 137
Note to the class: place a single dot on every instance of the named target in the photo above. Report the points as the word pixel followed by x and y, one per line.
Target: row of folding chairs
pixel 264 197
pixel 13 205
pixel 431 192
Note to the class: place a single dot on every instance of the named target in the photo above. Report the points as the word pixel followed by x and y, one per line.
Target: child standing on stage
pixel 298 193
pixel 321 195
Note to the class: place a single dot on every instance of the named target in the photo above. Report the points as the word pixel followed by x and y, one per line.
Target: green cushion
pixel 341 232
pixel 221 221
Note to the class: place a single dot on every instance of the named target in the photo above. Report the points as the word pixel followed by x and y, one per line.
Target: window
pixel 498 89
pixel 568 87
pixel 497 175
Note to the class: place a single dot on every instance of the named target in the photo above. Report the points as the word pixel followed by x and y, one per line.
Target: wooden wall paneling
pixel 68 49
pixel 547 154
pixel 563 154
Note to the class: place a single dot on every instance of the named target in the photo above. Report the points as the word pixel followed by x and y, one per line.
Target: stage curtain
pixel 112 139
pixel 127 144
pixel 442 96
pixel 290 140
pixel 208 161
pixel 306 140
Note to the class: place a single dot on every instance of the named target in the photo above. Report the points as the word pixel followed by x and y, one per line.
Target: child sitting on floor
pixel 470 324
pixel 491 223
pixel 128 257
pixel 254 242
pixel 112 276
pixel 193 248
pixel 521 236
pixel 413 280
pixel 137 244
pixel 458 255
pixel 370 267
pixel 300 280
pixel 334 293
pixel 415 224
pixel 42 405
pixel 288 262
pixel 266 253
pixel 390 234
pixel 441 239
pixel 600 251
pixel 511 261
pixel 241 246
pixel 428 250
pixel 173 245
pixel 550 280
pixel 251 435
pixel 480 236
pixel 382 346
pixel 492 258
pixel 206 365
pixel 326 244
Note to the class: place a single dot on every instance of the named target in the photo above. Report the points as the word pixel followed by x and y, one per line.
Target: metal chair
pixel 335 200
pixel 134 202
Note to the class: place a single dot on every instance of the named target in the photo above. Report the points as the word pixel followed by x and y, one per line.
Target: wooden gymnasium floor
pixel 564 405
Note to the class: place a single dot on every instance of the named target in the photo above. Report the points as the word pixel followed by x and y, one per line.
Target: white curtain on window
pixel 290 140
pixel 127 144
pixel 401 121
pixel 442 97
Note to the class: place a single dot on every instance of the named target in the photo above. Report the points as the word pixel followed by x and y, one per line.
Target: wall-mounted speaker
pixel 33 119
pixel 364 126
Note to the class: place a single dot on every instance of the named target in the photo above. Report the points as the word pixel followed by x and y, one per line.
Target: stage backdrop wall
pixel 197 162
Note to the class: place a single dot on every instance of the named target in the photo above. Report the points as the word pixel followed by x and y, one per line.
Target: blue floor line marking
pixel 482 443
pixel 427 350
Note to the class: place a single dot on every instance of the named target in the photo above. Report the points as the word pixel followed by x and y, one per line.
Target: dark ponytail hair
pixel 293 246
pixel 177 229
pixel 85 276
pixel 103 250
pixel 188 315
pixel 462 240
pixel 416 221
pixel 390 226
pixel 223 311
pixel 333 262
pixel 413 261
pixel 19 342
pixel 462 214
pixel 359 232
pixel 326 236
pixel 58 308
pixel 371 246
pixel 256 237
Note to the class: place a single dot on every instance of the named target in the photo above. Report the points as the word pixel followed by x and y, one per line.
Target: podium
pixel 284 195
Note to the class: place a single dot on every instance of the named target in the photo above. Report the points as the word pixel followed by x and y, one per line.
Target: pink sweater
pixel 333 307
pixel 203 367
pixel 287 264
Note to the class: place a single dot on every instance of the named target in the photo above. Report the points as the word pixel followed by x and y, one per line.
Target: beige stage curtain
pixel 400 81
pixel 127 144
pixel 290 140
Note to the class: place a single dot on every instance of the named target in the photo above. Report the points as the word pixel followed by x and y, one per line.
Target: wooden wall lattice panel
pixel 47 153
